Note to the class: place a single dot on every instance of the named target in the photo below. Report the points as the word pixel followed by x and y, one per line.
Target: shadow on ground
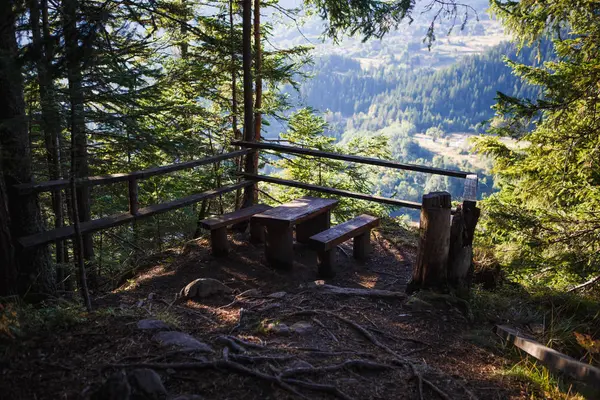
pixel 415 343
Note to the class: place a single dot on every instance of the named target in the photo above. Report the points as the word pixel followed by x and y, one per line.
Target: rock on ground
pixel 152 324
pixel 302 328
pixel 116 387
pixel 146 384
pixel 183 340
pixel 203 287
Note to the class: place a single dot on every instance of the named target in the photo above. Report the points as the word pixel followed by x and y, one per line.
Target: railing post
pixel 134 204
pixel 430 270
pixel 470 190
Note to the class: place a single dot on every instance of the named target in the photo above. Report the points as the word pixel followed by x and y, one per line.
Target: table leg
pixel 219 242
pixel 306 229
pixel 279 247
pixel 257 233
pixel 326 261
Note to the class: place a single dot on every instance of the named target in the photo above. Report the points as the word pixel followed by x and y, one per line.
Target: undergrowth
pixel 541 384
pixel 566 322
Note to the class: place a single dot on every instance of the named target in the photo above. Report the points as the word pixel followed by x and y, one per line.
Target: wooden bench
pixel 310 215
pixel 218 227
pixel 325 242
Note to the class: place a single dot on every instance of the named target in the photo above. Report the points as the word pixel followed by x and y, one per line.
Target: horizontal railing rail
pixel 123 218
pixel 339 192
pixel 48 186
pixel 351 158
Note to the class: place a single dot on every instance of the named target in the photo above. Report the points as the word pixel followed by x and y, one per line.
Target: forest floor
pixel 293 341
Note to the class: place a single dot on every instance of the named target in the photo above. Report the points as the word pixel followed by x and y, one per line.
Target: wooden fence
pixel 250 179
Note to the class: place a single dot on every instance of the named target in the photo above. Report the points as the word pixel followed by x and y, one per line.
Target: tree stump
pixel 460 256
pixel 430 270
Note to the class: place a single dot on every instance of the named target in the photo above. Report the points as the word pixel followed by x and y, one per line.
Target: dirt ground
pixel 393 348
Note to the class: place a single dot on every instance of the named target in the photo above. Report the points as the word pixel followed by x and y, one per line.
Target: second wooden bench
pixel 218 227
pixel 325 242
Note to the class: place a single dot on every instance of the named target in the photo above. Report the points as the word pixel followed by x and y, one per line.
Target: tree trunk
pixel 460 257
pixel 8 265
pixel 43 50
pixel 77 119
pixel 248 106
pixel 258 88
pixel 430 270
pixel 234 103
pixel 32 265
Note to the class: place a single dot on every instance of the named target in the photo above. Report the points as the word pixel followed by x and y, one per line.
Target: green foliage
pixel 455 99
pixel 306 130
pixel 547 213
pixel 541 383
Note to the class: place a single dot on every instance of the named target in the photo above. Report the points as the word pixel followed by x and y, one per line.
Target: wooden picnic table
pixel 310 215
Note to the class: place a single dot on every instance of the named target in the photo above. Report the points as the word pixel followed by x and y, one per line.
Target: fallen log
pixel 323 288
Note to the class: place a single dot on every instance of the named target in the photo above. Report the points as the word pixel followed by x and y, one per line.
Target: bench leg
pixel 362 246
pixel 257 233
pixel 326 261
pixel 306 229
pixel 219 242
pixel 279 247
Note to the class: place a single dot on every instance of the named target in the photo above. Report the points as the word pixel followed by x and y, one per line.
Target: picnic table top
pixel 296 211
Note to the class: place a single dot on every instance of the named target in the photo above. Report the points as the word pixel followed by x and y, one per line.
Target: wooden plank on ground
pixel 296 211
pixel 552 358
pixel 120 219
pixel 351 158
pixel 232 218
pixel 338 192
pixel 27 188
pixel 340 233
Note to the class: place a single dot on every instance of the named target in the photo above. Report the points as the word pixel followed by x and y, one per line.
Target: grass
pixel 566 322
pixel 540 383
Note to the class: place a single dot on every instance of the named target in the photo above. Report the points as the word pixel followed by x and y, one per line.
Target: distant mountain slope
pixel 455 99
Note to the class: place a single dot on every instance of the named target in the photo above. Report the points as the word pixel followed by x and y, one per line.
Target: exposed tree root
pixel 232 344
pixel 324 288
pixel 356 364
pixel 320 387
pixel 218 365
pixel 335 339
pixel 399 359
pixel 256 359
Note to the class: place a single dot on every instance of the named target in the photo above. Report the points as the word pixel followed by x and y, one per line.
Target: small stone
pixel 203 287
pixel 277 295
pixel 189 397
pixel 152 324
pixel 302 328
pixel 170 371
pixel 146 384
pixel 116 387
pixel 183 340
pixel 279 329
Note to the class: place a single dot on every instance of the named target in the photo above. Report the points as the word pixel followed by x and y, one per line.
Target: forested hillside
pixel 456 99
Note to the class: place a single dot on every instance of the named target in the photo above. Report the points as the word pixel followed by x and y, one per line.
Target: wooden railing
pixel 470 188
pixel 251 177
pixel 135 212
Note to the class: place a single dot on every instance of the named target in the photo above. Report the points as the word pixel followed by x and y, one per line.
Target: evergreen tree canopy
pixel 548 209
